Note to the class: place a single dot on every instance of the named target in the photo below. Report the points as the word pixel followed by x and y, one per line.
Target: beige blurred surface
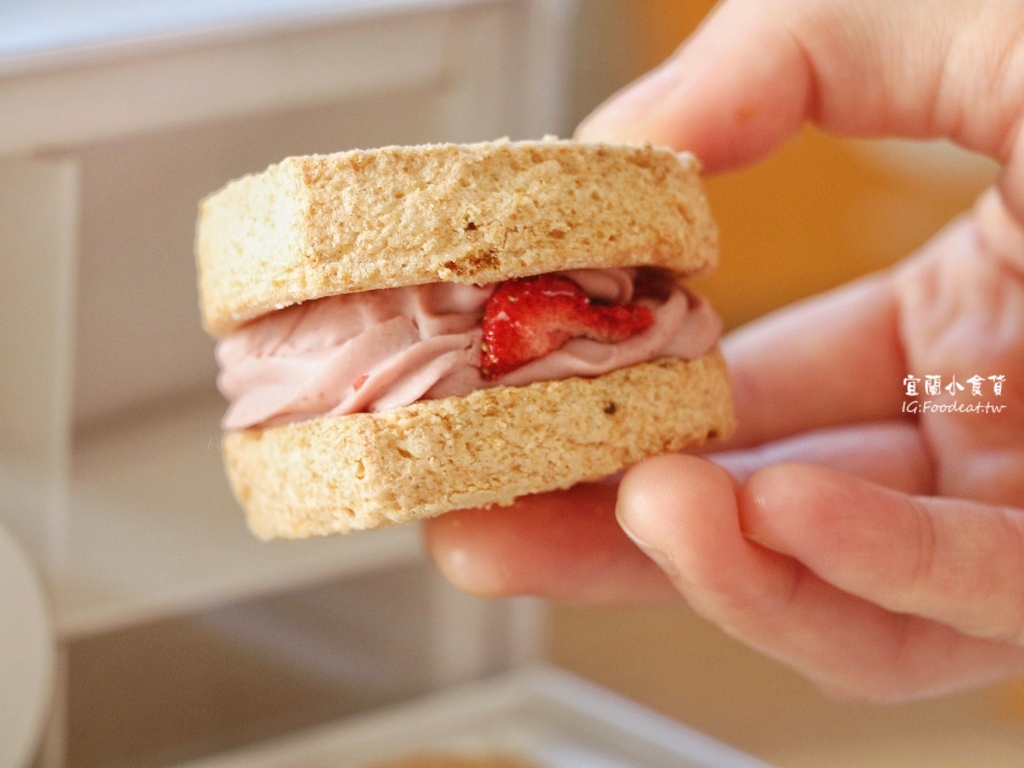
pixel 180 689
pixel 672 661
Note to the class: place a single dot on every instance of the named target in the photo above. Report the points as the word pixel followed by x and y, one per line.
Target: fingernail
pixel 635 524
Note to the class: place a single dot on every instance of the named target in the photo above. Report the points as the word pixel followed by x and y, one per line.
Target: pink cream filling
pixel 384 349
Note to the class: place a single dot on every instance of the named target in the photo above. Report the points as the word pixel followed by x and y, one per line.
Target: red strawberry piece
pixel 528 317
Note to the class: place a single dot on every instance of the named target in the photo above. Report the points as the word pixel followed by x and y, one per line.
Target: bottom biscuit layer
pixel 334 475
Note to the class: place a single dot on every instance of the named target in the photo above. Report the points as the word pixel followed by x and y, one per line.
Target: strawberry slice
pixel 528 317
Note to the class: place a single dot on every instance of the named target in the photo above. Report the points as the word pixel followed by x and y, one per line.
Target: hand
pixel 879 552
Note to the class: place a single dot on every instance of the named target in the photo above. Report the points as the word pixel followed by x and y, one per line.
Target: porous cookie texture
pixel 321 225
pixel 334 475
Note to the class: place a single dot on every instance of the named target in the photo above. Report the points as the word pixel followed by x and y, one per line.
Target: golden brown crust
pixel 334 475
pixel 353 221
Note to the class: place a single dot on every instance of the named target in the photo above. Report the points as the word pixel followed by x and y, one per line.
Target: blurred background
pixel 176 636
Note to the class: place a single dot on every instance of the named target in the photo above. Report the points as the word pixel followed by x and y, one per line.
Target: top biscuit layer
pixel 321 225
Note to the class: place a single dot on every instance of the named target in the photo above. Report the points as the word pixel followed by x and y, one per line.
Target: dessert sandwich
pixel 407 331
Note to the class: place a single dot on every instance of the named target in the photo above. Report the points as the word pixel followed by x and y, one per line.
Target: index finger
pixel 755 71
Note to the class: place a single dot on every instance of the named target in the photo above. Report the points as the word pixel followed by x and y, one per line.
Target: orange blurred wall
pixel 822 210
